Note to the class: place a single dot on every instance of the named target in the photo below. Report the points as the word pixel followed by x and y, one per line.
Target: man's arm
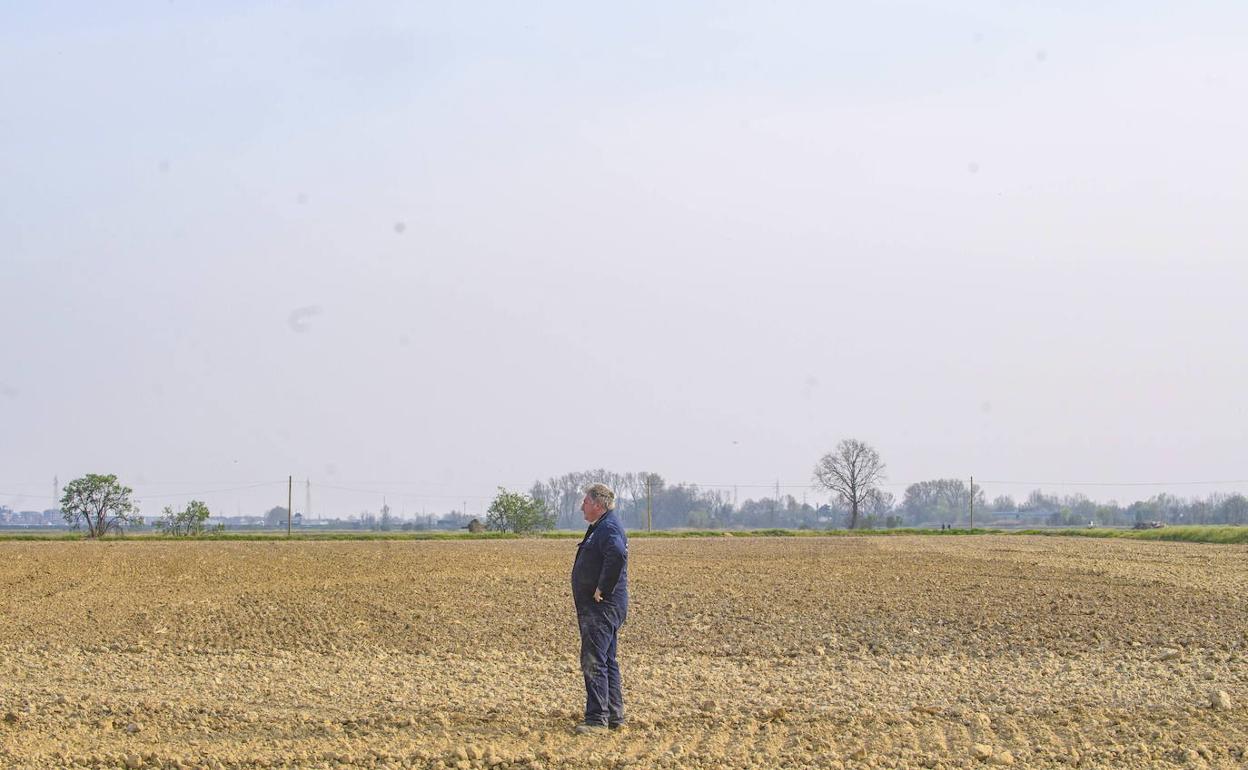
pixel 614 557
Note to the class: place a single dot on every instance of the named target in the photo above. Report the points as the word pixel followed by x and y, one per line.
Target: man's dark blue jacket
pixel 602 563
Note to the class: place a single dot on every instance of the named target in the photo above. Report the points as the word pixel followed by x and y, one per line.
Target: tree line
pixel 852 473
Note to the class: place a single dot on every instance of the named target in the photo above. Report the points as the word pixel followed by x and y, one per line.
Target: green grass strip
pixel 1225 535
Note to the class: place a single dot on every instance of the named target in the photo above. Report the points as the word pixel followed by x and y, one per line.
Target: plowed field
pixel 738 652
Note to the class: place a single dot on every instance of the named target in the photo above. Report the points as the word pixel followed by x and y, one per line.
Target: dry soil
pixel 887 652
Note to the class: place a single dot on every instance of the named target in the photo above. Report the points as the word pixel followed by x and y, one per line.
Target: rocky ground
pixel 739 652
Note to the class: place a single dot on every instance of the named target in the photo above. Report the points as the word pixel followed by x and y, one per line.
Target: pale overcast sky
pixel 425 250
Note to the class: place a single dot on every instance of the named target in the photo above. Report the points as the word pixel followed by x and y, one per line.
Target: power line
pixel 146 483
pixel 167 494
pixel 383 493
pixel 425 483
pixel 24 494
pixel 1119 483
pixel 210 491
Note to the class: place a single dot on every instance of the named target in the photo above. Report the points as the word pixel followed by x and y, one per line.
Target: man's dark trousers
pixel 600 627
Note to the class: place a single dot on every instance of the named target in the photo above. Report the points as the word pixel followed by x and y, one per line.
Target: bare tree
pixel 852 472
pixel 880 507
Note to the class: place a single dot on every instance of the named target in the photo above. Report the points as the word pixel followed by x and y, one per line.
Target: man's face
pixel 592 509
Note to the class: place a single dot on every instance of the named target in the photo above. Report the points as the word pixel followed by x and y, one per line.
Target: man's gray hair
pixel 602 495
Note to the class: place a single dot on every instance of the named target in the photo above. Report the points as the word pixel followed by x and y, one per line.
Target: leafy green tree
pixel 275 517
pixel 517 512
pixel 943 500
pixel 189 521
pixel 101 503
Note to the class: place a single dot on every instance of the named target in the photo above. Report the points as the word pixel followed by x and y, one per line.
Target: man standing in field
pixel 600 591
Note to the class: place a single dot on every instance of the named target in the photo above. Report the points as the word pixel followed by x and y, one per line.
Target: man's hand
pixel 597 594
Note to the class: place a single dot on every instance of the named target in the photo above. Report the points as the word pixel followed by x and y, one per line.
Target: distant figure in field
pixel 600 591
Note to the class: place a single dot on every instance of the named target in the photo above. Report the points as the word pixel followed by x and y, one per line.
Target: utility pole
pixel 775 503
pixel 972 502
pixel 307 505
pixel 290 493
pixel 649 521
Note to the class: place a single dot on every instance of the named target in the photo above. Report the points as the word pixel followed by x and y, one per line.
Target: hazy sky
pixel 425 250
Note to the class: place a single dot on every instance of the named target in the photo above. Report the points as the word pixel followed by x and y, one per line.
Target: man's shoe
pixel 590 728
pixel 615 725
